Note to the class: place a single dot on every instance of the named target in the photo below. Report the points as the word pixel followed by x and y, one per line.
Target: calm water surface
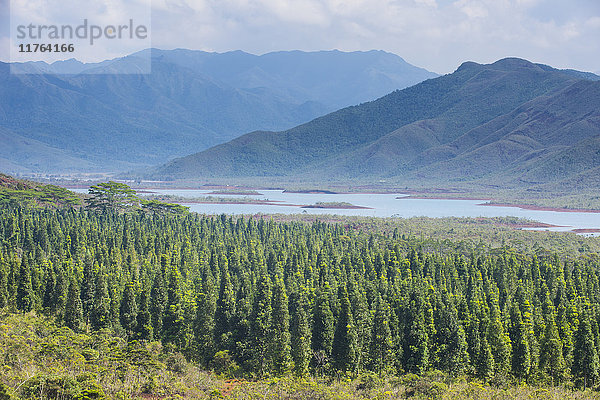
pixel 384 205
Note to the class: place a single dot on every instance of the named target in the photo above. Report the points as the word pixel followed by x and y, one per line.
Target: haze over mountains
pixel 507 124
pixel 95 120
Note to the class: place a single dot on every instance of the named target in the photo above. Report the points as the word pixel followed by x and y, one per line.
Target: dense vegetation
pixel 465 235
pixel 33 194
pixel 44 361
pixel 259 298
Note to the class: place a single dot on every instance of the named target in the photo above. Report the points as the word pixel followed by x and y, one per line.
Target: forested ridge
pixel 205 99
pixel 258 298
pixel 511 125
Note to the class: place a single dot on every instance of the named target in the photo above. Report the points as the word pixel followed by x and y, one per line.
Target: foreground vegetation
pixel 42 360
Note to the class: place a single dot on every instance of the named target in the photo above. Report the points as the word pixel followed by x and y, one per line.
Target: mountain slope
pixel 547 139
pixel 191 101
pixel 397 135
pixel 35 154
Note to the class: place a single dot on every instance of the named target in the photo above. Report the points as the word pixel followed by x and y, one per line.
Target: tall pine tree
pixel 25 297
pixel 380 353
pixel 344 340
pixel 452 355
pixel 521 356
pixel 74 308
pixel 205 320
pixel 128 310
pixel 143 326
pixel 261 325
pixel 322 333
pixel 280 350
pixel 300 333
pixel 551 356
pixel 585 354
pixel 158 300
pixel 224 312
pixel 416 349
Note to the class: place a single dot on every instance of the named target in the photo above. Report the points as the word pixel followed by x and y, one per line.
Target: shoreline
pixel 233 193
pixel 258 202
pixel 423 197
pixel 348 207
pixel 541 208
pixel 223 190
pixel 531 207
pixel 277 203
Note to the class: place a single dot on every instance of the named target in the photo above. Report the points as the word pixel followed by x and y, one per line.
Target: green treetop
pixel 112 195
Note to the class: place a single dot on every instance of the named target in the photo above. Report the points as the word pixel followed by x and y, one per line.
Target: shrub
pixel 176 363
pixel 50 387
pixel 368 380
pixel 5 392
pixel 224 364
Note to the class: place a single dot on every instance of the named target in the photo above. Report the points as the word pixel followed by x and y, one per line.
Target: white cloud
pixel 436 34
pixel 593 23
pixel 472 9
pixel 429 3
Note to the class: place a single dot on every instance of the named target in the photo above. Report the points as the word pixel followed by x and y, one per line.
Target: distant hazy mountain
pixel 511 123
pixel 94 119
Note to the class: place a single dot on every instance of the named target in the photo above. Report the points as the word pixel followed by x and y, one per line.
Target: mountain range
pixel 70 116
pixel 512 123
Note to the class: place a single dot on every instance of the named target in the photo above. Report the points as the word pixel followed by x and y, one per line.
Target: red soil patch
pixel 229 385
pixel 586 230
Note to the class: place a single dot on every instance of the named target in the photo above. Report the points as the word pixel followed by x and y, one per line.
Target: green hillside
pixel 97 118
pixel 547 139
pixel 508 124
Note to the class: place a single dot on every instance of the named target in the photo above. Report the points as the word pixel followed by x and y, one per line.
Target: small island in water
pixel 237 192
pixel 338 205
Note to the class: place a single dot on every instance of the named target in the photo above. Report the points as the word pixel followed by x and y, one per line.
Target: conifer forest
pixel 254 299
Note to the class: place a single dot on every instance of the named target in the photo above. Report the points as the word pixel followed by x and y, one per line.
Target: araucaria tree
pixel 74 308
pixel 585 353
pixel 521 357
pixel 380 354
pixel 343 350
pixel 300 333
pixel 322 334
pixel 280 350
pixel 112 195
pixel 261 328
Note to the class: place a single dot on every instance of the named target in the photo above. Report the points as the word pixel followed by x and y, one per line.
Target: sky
pixel 434 34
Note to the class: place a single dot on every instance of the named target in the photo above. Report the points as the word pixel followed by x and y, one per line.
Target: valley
pixel 511 127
